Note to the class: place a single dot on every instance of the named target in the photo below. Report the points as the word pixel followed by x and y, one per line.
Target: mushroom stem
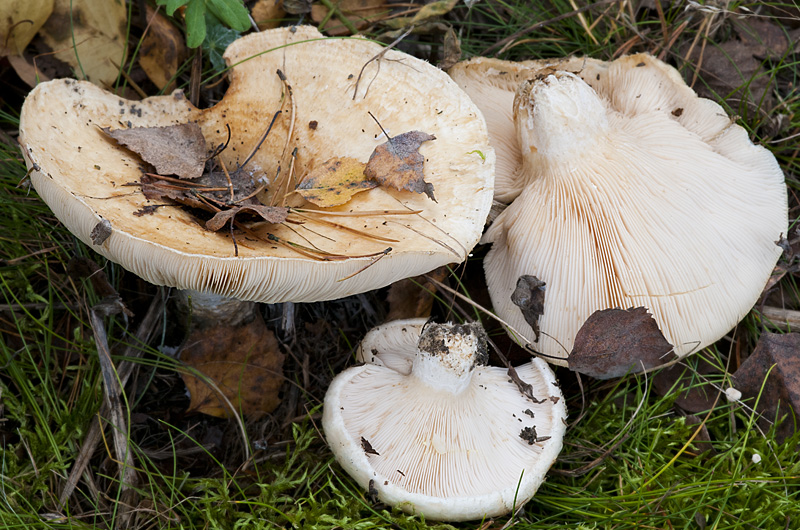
pixel 558 117
pixel 447 355
pixel 201 310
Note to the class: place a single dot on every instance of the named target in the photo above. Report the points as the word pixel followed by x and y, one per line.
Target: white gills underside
pixel 669 206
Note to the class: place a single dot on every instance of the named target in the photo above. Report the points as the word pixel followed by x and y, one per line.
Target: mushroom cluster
pixel 626 189
pixel 428 427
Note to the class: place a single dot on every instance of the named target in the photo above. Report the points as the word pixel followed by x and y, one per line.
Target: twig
pixel 112 390
pixel 150 323
pixel 378 57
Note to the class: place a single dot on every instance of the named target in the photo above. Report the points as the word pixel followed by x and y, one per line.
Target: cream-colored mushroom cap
pixel 634 192
pixel 451 438
pixel 87 179
pixel 393 344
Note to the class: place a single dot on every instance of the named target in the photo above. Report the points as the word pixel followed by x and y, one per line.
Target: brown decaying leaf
pixel 359 13
pixel 614 342
pixel 413 297
pixel 244 362
pixel 19 22
pixel 92 30
pixel 776 358
pixel 398 163
pixel 162 50
pixel 335 182
pixel 271 214
pixel 267 14
pixel 696 396
pixel 178 150
pixel 529 297
pixel 451 49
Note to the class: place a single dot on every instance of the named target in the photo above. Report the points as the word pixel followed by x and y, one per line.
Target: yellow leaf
pixel 335 182
pixel 90 38
pixel 19 22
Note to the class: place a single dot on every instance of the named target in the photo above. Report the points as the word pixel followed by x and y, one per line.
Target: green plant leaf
pixel 218 38
pixel 232 13
pixel 172 5
pixel 195 23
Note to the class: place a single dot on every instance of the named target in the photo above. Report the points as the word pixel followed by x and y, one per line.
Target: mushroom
pixel 91 183
pixel 628 190
pixel 449 438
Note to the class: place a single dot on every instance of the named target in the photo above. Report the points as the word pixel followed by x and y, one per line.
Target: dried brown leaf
pixel 162 51
pixel 178 150
pixel 335 182
pixel 398 163
pixel 267 14
pixel 529 297
pixel 271 214
pixel 413 297
pixel 90 36
pixel 772 374
pixel 244 362
pixel 19 22
pixel 359 13
pixel 614 342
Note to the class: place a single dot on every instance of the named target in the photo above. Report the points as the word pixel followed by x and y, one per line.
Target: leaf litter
pixel 203 183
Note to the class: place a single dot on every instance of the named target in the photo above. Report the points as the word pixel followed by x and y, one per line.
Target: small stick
pixel 378 57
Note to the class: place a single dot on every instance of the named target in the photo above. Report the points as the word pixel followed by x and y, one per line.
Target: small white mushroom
pixel 451 438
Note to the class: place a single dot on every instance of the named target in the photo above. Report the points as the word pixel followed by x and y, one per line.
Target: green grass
pixel 191 470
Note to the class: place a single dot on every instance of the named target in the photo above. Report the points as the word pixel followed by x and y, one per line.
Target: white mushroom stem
pixel 199 309
pixel 448 353
pixel 558 118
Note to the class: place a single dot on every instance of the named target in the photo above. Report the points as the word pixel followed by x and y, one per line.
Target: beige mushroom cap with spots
pixel 87 179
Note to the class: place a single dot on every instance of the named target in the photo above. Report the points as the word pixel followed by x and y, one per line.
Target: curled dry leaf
pixel 271 214
pixel 335 182
pixel 244 363
pixel 529 297
pixel 398 163
pixel 173 150
pixel 614 342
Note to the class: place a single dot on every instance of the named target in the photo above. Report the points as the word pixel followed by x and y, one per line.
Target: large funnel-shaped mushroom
pixel 628 190
pixel 87 179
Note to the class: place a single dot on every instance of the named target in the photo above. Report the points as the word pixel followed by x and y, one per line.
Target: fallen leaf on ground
pixel 335 182
pixel 243 362
pixel 413 297
pixel 359 14
pixel 162 50
pixel 529 297
pixel 451 49
pixel 267 14
pixel 614 342
pixel 91 38
pixel 733 70
pixel 19 22
pixel 697 395
pixel 398 163
pixel 174 150
pixel 772 374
